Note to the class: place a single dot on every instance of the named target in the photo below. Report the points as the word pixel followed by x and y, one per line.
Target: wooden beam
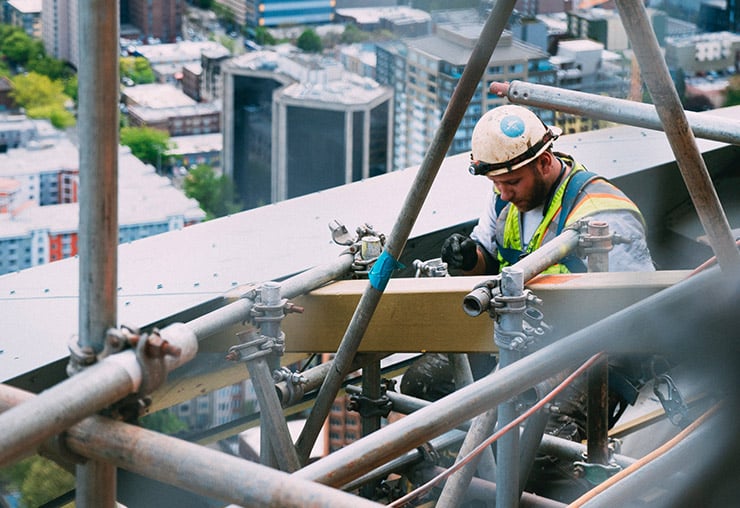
pixel 426 314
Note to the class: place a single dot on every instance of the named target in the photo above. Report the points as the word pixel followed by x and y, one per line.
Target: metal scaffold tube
pixel 89 391
pixel 238 311
pixel 189 466
pixel 633 329
pixel 668 105
pixel 108 381
pixel 622 111
pixel 471 76
pixel 98 23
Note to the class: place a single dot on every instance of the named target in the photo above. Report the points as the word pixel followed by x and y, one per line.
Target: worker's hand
pixel 461 252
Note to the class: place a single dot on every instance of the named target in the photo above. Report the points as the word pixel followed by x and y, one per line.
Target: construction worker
pixel 536 192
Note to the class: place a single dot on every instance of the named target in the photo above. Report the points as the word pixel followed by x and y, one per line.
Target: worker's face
pixel 525 188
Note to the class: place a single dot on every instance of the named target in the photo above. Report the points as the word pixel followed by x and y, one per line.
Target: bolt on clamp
pixel 255 345
pixel 430 268
pixel 115 341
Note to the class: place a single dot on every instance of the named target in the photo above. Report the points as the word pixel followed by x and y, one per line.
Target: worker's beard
pixel 538 195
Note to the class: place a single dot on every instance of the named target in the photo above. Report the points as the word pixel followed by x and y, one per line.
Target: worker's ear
pixel 544 163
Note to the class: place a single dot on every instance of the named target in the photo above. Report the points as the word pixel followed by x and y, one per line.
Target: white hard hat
pixel 507 138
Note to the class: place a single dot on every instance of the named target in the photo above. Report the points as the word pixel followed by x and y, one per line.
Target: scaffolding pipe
pixel 189 466
pixel 688 158
pixel 561 448
pixel 478 300
pixel 457 484
pixel 633 329
pixel 464 377
pixel 98 26
pixel 483 490
pixel 621 111
pixel 670 479
pixel 87 392
pixel 509 321
pixel 469 81
pixel 408 459
pixel 240 310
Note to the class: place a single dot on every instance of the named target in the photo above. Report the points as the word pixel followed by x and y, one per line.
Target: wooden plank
pixel 425 314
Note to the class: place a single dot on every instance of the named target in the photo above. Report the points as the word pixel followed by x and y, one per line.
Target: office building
pixel 24 14
pixel 59 29
pixel 156 20
pixel 39 208
pixel 424 72
pixel 296 124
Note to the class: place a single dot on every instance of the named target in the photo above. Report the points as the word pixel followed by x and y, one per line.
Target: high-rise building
pixel 298 124
pixel 59 30
pixel 424 72
pixel 272 13
pixel 156 19
pixel 24 14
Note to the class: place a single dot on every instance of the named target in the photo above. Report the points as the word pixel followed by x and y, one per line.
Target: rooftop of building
pixel 315 77
pixel 580 45
pixel 197 144
pixel 157 96
pixel 396 14
pixel 26 6
pixel 177 52
pixel 144 197
pixel 40 157
pixel 159 114
pixel 454 43
pixel 691 39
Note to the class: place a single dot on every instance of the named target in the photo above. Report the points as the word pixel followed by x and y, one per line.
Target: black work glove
pixel 461 252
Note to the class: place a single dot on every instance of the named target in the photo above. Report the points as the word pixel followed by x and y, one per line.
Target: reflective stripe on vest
pixel 602 196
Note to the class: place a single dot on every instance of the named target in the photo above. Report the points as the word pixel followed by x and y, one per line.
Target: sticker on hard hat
pixel 512 126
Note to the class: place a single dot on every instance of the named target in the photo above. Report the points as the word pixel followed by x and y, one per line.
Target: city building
pixel 719 16
pixel 7 103
pixel 24 14
pixel 296 124
pixel 198 149
pixel 424 71
pixel 401 21
pixel 59 29
pixel 202 80
pixel 274 13
pixel 39 208
pixel 168 60
pixel 156 20
pixel 532 8
pixel 217 407
pixel 703 53
pixel 359 58
pixel 605 26
pixel 211 80
pixel 167 108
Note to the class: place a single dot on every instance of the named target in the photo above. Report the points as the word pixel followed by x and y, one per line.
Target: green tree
pixel 263 37
pixel 136 68
pixel 38 480
pixel 19 48
pixel 225 15
pixel 215 194
pixel 733 91
pixel 149 145
pixel 43 98
pixel 352 34
pixel 310 41
pixel 163 421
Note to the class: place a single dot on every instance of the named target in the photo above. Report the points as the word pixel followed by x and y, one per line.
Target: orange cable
pixel 644 460
pixel 401 501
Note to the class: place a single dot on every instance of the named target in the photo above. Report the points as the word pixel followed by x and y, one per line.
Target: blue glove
pixel 460 252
